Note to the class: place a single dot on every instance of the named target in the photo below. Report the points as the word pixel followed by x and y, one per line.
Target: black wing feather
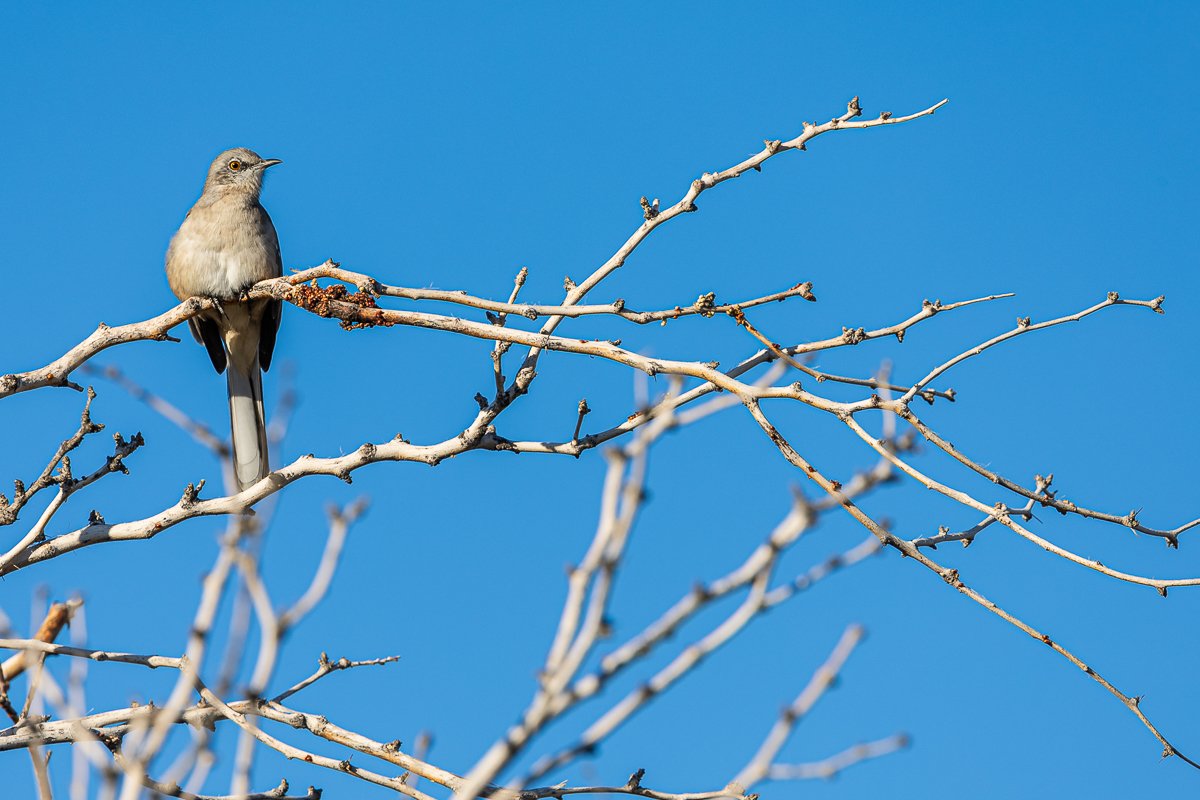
pixel 273 313
pixel 266 335
pixel 208 334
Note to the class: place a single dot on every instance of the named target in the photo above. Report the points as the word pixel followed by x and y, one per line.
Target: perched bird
pixel 226 244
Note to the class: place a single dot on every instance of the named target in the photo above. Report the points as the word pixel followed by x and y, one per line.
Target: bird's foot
pixel 216 301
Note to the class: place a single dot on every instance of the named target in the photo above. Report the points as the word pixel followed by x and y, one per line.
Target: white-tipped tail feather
pixel 249 430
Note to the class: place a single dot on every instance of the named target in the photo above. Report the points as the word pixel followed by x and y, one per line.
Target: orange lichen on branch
pixel 354 310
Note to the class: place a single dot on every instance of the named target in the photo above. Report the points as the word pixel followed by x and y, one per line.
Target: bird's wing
pixel 208 333
pixel 273 313
pixel 266 335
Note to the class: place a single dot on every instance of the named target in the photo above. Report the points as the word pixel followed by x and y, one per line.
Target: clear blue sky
pixel 450 147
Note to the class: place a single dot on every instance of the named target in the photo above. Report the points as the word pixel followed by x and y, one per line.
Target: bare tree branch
pixel 123 745
pixel 822 680
pixel 836 764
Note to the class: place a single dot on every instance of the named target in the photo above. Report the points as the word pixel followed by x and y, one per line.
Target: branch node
pixel 191 494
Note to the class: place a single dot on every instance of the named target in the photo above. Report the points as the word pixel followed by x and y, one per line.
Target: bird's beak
pixel 268 162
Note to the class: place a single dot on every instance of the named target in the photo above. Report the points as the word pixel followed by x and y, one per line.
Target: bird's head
pixel 238 169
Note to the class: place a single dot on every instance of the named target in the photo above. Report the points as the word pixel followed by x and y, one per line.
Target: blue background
pixel 448 148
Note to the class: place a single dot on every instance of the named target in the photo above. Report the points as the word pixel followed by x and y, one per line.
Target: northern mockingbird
pixel 226 244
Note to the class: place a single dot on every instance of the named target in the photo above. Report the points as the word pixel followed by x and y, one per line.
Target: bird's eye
pixel 235 165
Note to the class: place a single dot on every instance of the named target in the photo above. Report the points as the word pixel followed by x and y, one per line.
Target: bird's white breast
pixel 220 250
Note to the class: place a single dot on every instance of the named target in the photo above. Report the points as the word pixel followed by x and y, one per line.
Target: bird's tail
pixel 246 422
